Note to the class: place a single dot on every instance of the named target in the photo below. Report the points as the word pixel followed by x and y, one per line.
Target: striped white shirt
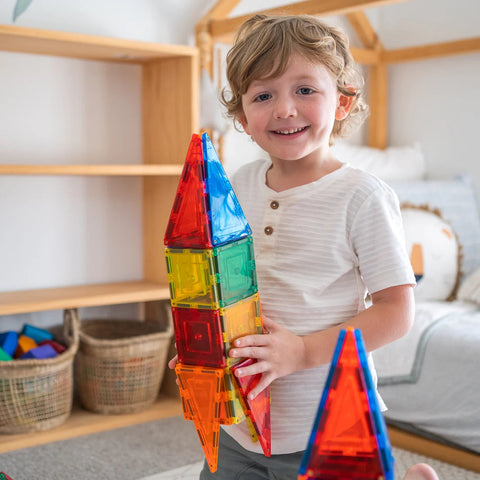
pixel 318 249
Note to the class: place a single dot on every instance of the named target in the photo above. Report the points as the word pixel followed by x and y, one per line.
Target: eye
pixel 262 97
pixel 305 91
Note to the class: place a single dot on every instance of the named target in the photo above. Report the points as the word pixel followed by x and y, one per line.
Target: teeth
pixel 289 132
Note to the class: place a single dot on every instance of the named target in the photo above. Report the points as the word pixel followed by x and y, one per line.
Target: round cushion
pixel 434 252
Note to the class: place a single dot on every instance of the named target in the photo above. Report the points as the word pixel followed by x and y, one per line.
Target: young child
pixel 325 233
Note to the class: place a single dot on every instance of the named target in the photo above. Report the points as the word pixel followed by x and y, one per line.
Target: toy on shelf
pixel 9 342
pixel 24 345
pixel 40 353
pixel 36 333
pixel 30 343
pixel 4 356
pixel 349 439
pixel 214 300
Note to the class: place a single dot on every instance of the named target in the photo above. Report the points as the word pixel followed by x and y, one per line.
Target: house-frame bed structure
pixel 217 26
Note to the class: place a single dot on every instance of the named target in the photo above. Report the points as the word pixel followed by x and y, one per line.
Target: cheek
pixel 254 120
pixel 322 114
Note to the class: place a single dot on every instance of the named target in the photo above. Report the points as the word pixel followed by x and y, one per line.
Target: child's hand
pixel 172 362
pixel 278 353
pixel 171 365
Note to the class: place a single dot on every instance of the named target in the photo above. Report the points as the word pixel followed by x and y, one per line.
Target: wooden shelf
pixel 423 446
pixel 170 111
pixel 87 47
pixel 81 422
pixel 92 170
pixel 80 296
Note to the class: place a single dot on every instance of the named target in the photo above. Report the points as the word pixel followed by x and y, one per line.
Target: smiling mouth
pixel 290 131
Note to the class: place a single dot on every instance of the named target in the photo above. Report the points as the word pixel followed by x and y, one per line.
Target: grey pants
pixel 236 463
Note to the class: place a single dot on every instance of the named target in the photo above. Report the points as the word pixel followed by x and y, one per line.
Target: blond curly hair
pixel 263 47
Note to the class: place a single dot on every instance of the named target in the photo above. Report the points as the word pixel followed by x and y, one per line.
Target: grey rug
pixel 128 453
pixel 162 450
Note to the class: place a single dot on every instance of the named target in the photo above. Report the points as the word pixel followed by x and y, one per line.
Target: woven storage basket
pixel 37 394
pixel 121 363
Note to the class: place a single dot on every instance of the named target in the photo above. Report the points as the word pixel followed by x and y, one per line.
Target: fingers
pixel 261 385
pixel 264 380
pixel 173 362
pixel 252 346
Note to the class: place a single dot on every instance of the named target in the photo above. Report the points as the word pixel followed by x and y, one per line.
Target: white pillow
pixel 391 164
pixel 457 203
pixel 470 288
pixel 434 253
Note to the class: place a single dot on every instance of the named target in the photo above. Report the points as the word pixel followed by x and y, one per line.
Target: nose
pixel 285 107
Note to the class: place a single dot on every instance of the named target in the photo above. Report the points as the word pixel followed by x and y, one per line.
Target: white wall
pixel 433 101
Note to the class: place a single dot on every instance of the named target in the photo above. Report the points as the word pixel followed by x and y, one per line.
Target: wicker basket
pixel 37 394
pixel 121 363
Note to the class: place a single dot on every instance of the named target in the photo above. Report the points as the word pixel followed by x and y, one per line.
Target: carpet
pixel 165 449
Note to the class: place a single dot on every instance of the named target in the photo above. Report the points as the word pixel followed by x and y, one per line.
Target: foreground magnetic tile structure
pixel 214 300
pixel 349 439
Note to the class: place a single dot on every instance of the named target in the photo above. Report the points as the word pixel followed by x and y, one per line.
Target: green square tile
pixel 235 267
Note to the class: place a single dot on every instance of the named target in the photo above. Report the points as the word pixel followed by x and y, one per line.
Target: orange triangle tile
pixel 203 395
pixel 344 440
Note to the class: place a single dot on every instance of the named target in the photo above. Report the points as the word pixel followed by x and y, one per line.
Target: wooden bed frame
pixel 217 26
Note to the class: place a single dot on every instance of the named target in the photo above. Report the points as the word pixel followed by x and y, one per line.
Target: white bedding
pixel 430 379
pixel 397 360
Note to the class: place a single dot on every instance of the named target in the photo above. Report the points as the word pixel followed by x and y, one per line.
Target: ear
pixel 243 121
pixel 344 105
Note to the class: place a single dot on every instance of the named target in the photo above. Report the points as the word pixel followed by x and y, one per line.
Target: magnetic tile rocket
pixel 214 300
pixel 349 439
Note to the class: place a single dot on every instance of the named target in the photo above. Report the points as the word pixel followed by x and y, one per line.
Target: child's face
pixel 291 116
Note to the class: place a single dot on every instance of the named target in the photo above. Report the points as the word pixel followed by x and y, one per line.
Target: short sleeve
pixel 378 241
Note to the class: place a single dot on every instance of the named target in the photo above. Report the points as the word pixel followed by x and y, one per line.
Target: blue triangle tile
pixel 227 220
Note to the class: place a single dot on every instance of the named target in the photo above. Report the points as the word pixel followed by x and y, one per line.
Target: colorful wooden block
pixel 55 345
pixel 36 333
pixel 4 356
pixel 24 345
pixel 40 353
pixel 9 342
pixel 349 438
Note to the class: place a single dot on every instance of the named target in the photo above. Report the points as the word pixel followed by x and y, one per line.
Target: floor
pixel 187 472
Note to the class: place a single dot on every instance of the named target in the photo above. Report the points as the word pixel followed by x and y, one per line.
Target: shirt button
pixel 274 205
pixel 268 230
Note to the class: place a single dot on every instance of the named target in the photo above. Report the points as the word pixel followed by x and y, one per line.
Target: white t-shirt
pixel 318 248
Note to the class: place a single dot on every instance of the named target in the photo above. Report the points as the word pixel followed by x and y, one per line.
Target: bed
pixel 429 378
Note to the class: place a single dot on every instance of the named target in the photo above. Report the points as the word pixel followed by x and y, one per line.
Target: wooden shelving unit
pixel 83 422
pixel 170 102
pixel 12 303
